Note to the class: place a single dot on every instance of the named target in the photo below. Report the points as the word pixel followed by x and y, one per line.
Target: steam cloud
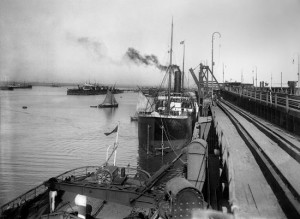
pixel 94 46
pixel 136 57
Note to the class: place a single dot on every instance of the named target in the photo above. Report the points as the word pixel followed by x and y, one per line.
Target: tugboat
pixel 170 123
pixel 109 101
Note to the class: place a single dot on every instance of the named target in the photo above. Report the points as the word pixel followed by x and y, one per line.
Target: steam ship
pixel 92 89
pixel 169 124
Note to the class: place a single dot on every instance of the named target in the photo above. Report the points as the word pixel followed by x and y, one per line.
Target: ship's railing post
pixel 260 96
pixel 275 100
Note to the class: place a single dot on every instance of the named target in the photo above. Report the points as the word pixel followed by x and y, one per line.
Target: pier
pixel 253 142
pixel 281 109
pixel 254 154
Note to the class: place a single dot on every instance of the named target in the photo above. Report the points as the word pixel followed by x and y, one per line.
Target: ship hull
pixel 21 87
pixel 6 88
pixel 85 92
pixel 177 133
pixel 108 106
pixel 90 92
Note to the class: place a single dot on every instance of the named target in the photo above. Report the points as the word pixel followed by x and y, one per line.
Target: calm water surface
pixel 57 133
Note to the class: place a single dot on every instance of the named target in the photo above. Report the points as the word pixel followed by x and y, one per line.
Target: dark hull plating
pixel 21 87
pixel 177 133
pixel 90 92
pixel 108 106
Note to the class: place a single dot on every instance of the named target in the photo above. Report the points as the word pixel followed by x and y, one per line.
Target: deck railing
pixel 75 173
pixel 289 102
pixel 29 195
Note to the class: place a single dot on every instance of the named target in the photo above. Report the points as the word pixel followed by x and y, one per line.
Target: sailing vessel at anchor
pixel 109 101
pixel 169 125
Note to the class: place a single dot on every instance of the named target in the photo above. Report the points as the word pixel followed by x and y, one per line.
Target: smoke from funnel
pixel 92 45
pixel 137 58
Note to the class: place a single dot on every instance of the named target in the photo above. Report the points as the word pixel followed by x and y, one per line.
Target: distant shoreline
pixel 75 85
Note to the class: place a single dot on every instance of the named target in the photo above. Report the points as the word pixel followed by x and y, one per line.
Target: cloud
pixel 93 46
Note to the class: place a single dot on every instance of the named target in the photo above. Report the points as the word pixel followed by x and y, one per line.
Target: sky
pixel 81 41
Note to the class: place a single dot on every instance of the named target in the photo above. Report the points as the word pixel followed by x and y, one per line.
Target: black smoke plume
pixel 137 58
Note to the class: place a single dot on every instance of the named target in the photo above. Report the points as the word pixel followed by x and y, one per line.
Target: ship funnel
pixel 177 80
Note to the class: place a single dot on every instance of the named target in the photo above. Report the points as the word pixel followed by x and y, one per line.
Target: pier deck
pixel 249 192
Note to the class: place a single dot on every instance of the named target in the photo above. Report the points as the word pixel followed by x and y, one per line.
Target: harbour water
pixel 57 133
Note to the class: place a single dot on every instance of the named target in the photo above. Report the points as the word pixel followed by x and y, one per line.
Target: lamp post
pixel 255 76
pixel 298 73
pixel 223 73
pixel 281 81
pixel 212 57
pixel 271 80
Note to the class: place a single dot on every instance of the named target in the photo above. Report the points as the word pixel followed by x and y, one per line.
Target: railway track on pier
pixel 291 147
pixel 281 175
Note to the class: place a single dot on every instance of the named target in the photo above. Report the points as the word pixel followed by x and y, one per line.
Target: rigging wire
pixel 169 141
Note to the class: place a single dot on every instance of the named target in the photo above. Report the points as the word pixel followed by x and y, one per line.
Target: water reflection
pixel 109 113
pixel 152 163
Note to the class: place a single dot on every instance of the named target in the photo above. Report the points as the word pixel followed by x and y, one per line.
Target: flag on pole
pixel 182 42
pixel 113 131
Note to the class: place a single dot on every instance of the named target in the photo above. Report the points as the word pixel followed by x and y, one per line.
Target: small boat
pixel 20 86
pixel 134 118
pixel 55 85
pixel 6 88
pixel 109 101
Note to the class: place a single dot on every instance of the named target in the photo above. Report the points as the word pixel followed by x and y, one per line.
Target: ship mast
pixel 182 86
pixel 170 69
